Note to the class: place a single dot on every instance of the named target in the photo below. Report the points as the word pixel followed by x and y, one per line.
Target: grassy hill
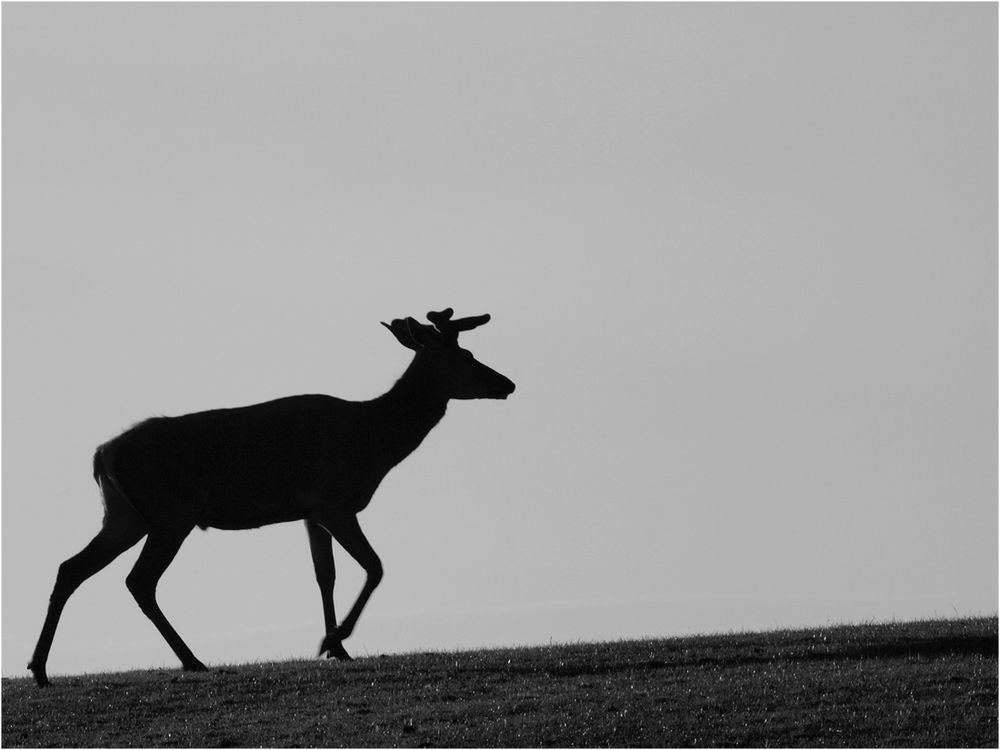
pixel 900 684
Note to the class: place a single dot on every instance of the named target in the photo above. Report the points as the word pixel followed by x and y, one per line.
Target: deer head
pixel 453 370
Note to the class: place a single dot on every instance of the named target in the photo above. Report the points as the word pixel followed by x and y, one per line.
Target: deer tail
pixel 98 465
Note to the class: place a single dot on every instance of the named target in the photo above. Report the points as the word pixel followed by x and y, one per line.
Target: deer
pixel 312 458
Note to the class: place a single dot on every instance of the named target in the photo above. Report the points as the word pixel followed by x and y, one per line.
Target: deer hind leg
pixel 321 546
pixel 122 529
pixel 347 532
pixel 156 555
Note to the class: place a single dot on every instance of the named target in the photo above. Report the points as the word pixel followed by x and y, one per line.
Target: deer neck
pixel 409 411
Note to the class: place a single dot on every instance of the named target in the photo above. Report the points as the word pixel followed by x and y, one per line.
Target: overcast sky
pixel 741 262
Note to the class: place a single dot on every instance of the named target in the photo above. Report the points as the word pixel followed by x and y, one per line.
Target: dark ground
pixel 917 684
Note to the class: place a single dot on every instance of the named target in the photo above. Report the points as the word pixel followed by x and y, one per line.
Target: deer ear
pixel 426 337
pixel 401 331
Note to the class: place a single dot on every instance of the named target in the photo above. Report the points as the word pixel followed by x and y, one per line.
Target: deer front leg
pixel 321 547
pixel 347 532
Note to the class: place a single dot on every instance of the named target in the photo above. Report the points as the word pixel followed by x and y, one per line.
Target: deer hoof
pixel 332 648
pixel 40 677
pixel 195 666
pixel 338 652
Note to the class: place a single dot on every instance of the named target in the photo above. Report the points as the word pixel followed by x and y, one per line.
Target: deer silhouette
pixel 315 458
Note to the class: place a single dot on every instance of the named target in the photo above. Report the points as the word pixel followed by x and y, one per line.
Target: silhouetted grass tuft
pixel 899 684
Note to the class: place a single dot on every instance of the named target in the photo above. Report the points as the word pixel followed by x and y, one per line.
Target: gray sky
pixel 741 262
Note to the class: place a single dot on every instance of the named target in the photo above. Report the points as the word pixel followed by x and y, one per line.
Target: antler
pixel 416 335
pixel 449 328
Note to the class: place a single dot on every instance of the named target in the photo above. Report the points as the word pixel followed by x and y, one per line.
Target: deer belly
pixel 246 512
